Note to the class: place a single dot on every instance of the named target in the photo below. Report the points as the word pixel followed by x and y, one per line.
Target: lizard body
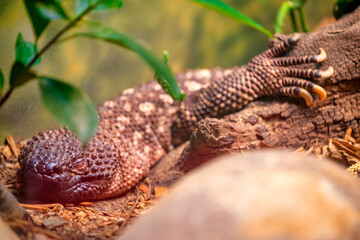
pixel 138 127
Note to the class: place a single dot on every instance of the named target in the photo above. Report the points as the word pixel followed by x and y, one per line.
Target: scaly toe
pixel 321 56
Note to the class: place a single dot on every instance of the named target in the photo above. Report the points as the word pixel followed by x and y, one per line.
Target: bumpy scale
pixel 137 128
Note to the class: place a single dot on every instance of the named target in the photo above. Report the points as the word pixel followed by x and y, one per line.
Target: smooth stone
pixel 258 195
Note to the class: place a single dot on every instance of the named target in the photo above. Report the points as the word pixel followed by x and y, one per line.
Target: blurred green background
pixel 194 36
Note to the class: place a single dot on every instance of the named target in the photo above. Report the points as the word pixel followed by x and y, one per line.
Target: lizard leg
pixel 295 87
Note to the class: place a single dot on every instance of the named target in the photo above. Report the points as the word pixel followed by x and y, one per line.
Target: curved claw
pixel 320 91
pixel 321 56
pixel 296 37
pixel 307 96
pixel 327 73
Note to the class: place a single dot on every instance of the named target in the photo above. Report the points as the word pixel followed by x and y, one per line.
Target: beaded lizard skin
pixel 138 127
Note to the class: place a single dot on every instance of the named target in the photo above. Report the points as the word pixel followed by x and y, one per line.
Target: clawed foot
pixel 287 81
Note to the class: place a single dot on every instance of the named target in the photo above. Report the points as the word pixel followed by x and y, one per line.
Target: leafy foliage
pixel 50 9
pixel 82 5
pixel 70 106
pixel 41 12
pixel 160 67
pixel 164 84
pixel 226 10
pixel 25 51
pixel 20 74
pixel 67 103
pixel 39 23
pixel 289 7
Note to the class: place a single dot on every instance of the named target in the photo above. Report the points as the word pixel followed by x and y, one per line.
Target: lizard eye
pixel 79 165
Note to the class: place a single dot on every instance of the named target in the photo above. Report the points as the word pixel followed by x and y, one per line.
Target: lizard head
pixel 55 168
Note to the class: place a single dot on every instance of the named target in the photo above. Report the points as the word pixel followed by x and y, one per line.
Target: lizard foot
pixel 297 87
pixel 293 82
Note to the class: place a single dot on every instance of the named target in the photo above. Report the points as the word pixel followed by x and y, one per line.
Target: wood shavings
pixel 86 204
pixel 345 150
pixel 8 162
pixel 53 222
pixel 160 191
pixel 144 188
pixel 15 150
pixel 40 206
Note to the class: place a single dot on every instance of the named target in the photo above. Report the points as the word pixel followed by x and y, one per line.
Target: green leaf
pixel 25 51
pixel 70 106
pixel 39 23
pixel 20 74
pixel 160 67
pixel 164 84
pixel 2 81
pixel 50 9
pixel 110 4
pixel 166 56
pixel 226 10
pixel 42 11
pixel 82 5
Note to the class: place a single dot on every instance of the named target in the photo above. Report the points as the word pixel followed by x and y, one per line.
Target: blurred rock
pixel 259 195
pixel 6 232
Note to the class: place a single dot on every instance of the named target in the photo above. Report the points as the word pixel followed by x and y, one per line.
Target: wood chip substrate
pixel 87 220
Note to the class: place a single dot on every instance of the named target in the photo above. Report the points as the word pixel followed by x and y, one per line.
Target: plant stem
pixel 293 20
pixel 6 96
pixel 302 20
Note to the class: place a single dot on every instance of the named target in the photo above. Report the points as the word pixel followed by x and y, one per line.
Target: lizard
pixel 139 127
